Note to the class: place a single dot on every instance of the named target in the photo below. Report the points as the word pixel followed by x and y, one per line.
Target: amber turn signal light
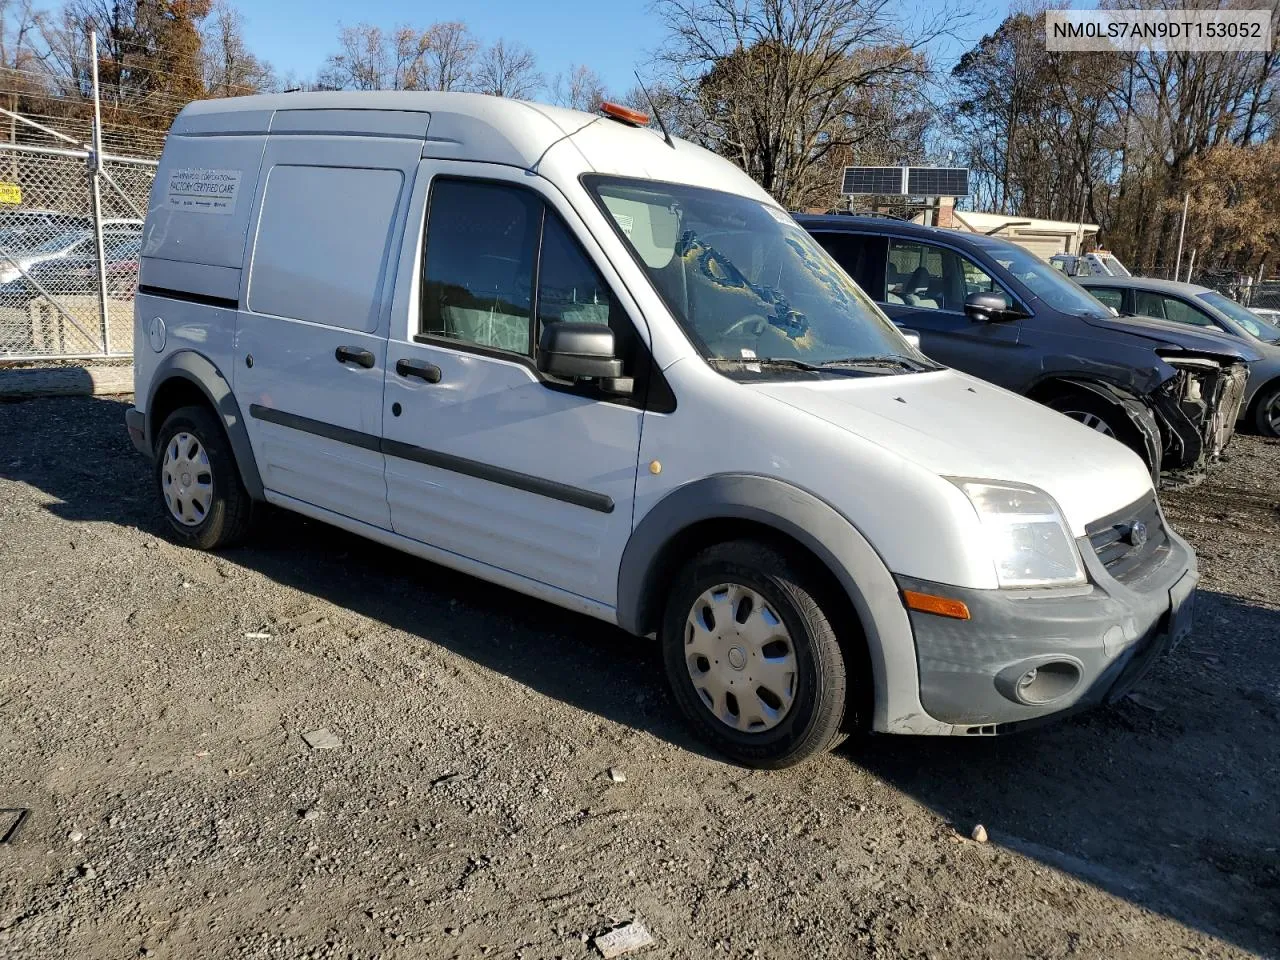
pixel 941 606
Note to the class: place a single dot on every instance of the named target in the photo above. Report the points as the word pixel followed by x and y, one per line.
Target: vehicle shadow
pixel 92 473
pixel 1168 800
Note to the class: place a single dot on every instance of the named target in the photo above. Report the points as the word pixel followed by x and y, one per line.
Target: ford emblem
pixel 1137 533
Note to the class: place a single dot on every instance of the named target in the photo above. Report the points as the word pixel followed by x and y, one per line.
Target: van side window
pixel 482 244
pixel 570 288
pixel 927 277
pixel 487 245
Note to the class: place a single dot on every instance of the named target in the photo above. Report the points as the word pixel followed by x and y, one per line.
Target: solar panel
pixel 872 180
pixel 938 181
pixel 921 181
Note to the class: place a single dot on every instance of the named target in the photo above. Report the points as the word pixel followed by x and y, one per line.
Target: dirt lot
pixel 177 812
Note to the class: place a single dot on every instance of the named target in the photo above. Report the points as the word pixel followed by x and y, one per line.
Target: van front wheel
pixel 204 500
pixel 752 656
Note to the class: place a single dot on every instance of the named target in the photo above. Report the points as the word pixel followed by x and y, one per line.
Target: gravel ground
pixel 153 701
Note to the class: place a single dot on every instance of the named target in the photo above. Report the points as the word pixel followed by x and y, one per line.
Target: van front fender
pixel 657 549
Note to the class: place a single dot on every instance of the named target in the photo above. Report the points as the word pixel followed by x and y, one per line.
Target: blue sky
pixel 613 38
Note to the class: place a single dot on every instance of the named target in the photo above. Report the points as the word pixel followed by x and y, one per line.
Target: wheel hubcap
pixel 740 658
pixel 1092 421
pixel 186 479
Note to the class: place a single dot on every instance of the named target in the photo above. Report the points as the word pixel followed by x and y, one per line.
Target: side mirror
pixel 989 308
pixel 582 351
pixel 912 337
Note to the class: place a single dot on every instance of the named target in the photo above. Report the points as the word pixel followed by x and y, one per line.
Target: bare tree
pixel 508 70
pixel 449 59
pixel 1118 138
pixel 364 60
pixel 579 89
pixel 407 58
pixel 442 57
pixel 779 85
pixel 230 69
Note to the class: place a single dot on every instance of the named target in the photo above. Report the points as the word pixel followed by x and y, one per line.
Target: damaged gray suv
pixel 997 311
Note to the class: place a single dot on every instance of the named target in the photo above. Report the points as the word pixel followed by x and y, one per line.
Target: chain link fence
pixel 62 295
pixel 1264 295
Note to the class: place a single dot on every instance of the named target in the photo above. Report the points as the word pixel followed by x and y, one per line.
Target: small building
pixel 1044 238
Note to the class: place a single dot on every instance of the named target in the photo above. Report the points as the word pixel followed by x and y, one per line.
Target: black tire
pixel 815 716
pixel 230 511
pixel 1080 406
pixel 1266 411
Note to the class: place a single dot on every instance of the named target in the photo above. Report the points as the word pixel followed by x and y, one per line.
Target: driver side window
pixel 500 264
pixel 927 277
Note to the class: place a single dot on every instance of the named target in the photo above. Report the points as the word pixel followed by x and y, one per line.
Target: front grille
pixel 1113 538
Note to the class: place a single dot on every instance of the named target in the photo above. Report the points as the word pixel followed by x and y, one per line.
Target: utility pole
pixel 1080 220
pixel 1191 267
pixel 95 177
pixel 1177 267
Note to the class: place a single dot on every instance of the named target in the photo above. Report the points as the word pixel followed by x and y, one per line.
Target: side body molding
pixel 828 534
pixel 200 371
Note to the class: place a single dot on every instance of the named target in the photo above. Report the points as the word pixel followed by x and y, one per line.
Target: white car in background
pixel 72 244
pixel 1099 263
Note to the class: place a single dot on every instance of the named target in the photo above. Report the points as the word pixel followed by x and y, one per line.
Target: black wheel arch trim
pixel 828 534
pixel 200 371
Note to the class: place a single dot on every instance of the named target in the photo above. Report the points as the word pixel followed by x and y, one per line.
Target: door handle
pixel 361 358
pixel 420 369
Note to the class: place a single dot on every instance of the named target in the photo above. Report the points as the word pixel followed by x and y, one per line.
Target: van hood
pixel 957 426
pixel 1179 335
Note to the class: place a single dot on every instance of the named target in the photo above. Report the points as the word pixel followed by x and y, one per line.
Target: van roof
pixel 472 126
pixel 345 109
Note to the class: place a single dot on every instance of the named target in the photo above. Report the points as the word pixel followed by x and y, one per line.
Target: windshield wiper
pixel 888 360
pixel 787 363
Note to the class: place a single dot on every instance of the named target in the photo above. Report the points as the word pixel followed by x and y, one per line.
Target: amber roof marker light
pixel 616 111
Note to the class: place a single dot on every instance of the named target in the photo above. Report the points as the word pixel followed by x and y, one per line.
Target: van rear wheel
pixel 752 655
pixel 204 500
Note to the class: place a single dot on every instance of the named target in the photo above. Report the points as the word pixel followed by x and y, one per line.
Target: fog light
pixel 1041 682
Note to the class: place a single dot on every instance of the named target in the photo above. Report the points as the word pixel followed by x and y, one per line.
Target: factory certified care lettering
pixel 200 190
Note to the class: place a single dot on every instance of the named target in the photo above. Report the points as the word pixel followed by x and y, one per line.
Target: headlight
pixel 1029 542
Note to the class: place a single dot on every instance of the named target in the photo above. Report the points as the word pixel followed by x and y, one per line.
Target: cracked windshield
pixel 754 293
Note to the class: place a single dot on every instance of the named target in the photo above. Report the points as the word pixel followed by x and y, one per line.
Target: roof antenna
pixel 656 115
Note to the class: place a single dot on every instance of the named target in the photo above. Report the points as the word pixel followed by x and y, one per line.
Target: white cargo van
pixel 568 355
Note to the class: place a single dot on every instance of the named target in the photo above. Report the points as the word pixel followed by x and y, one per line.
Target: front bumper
pixel 1087 646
